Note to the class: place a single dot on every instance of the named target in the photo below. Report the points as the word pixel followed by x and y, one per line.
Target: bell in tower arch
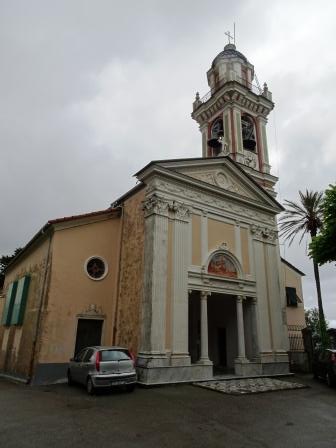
pixel 248 133
pixel 216 134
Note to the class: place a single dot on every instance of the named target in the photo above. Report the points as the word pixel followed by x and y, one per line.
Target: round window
pixel 96 268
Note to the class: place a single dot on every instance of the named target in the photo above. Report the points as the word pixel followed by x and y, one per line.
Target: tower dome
pixel 230 64
pixel 228 53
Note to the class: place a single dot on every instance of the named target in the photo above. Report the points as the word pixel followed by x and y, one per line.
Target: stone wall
pixel 131 273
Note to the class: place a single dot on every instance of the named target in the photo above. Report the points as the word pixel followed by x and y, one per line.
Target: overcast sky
pixel 90 91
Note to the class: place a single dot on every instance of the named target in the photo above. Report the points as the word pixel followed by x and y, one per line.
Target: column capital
pixel 205 295
pixel 240 298
pixel 181 211
pixel 155 205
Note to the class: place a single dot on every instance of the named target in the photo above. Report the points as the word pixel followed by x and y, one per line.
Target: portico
pixel 228 334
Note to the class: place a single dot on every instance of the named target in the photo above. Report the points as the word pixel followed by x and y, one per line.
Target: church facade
pixel 184 269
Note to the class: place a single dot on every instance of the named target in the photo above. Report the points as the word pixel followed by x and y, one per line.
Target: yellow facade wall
pixel 219 232
pixel 72 293
pixel 16 342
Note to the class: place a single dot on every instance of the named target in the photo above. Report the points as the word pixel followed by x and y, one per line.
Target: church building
pixel 184 269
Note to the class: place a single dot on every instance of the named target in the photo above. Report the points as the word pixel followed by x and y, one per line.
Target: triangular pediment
pixel 221 178
pixel 220 174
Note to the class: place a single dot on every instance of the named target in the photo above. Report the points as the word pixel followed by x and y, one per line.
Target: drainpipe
pixel 39 314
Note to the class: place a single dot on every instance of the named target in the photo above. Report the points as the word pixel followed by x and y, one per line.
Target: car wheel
pixel 90 387
pixel 330 380
pixel 70 380
pixel 130 388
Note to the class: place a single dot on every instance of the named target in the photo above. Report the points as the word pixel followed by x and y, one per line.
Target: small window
pixel 292 299
pixel 96 268
pixel 114 355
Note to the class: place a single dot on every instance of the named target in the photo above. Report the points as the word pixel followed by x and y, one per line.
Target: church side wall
pixel 295 315
pixel 17 342
pixel 131 273
pixel 73 295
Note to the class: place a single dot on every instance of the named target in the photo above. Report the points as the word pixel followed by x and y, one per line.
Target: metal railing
pixel 296 340
pixel 233 77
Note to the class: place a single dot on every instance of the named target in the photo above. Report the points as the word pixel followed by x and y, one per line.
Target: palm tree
pixel 302 218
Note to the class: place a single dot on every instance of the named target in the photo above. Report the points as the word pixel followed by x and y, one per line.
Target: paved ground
pixel 250 385
pixel 175 416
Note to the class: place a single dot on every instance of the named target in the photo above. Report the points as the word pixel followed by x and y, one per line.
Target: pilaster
pixel 240 328
pixel 181 229
pixel 255 329
pixel 204 131
pixel 238 249
pixel 152 348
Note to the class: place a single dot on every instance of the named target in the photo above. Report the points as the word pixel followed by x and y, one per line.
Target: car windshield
pixel 114 355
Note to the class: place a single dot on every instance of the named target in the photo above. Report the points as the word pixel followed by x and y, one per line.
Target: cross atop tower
pixel 229 37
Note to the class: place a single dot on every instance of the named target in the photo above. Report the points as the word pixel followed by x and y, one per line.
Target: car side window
pixel 79 357
pixel 88 355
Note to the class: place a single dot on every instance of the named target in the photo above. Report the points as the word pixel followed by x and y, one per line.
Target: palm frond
pixel 303 217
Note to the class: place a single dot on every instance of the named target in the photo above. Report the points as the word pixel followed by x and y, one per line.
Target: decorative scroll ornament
pixel 92 310
pixel 250 161
pixel 264 233
pixel 182 211
pixel 155 205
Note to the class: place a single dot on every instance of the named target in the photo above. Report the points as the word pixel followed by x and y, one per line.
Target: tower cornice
pixel 232 93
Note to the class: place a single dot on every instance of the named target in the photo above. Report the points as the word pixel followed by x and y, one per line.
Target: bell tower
pixel 233 115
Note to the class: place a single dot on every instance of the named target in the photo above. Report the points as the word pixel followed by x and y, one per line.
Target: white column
pixel 204 329
pixel 181 240
pixel 240 327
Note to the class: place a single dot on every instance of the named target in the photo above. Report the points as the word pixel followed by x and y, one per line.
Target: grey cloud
pixel 61 155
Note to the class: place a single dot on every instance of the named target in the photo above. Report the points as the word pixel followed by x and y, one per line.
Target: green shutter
pixel 8 308
pixel 20 301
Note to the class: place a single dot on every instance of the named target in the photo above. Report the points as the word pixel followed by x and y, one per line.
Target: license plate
pixel 117 383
